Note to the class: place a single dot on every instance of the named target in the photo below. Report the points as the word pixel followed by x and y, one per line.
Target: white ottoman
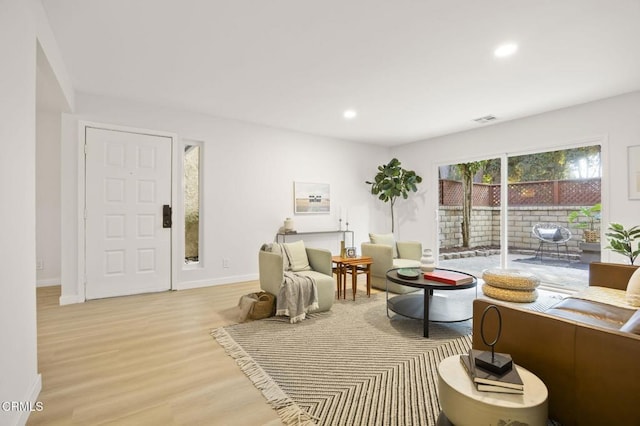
pixel 463 404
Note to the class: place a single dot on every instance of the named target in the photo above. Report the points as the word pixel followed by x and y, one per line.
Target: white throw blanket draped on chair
pixel 298 293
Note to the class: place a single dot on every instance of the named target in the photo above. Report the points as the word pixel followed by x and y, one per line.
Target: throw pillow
pixel 551 234
pixel 387 240
pixel 633 289
pixel 297 254
pixel 557 236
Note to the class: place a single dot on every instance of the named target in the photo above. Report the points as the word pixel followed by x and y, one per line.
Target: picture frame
pixel 634 171
pixel 350 252
pixel 311 198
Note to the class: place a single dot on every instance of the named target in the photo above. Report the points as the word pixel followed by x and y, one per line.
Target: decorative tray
pixel 409 273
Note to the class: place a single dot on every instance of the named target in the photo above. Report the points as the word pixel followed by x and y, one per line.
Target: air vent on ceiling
pixel 485 119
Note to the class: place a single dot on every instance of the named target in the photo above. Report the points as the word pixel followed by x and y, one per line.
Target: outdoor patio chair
pixel 550 233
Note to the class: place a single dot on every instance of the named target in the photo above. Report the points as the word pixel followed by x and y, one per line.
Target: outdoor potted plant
pixel 591 217
pixel 621 240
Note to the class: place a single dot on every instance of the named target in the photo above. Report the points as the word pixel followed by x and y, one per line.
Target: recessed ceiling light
pixel 506 49
pixel 350 114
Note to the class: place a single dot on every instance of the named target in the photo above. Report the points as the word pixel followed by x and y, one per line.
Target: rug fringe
pixel 287 409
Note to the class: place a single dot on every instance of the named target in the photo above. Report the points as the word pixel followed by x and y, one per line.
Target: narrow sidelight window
pixel 191 192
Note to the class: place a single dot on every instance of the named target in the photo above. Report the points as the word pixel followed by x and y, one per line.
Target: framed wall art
pixel 634 172
pixel 311 198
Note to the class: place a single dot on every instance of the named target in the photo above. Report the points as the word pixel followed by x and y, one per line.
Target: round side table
pixel 462 404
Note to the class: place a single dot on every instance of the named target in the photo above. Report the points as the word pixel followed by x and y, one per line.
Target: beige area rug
pixel 349 366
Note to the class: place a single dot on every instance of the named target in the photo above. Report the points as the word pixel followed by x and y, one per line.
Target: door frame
pixel 82 126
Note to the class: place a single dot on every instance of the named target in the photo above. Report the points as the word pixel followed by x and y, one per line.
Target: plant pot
pixel 591 236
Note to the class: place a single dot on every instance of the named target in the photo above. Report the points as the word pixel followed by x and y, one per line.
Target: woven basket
pixel 591 236
pixel 264 307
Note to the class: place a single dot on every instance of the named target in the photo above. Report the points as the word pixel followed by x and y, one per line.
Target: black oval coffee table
pixel 416 306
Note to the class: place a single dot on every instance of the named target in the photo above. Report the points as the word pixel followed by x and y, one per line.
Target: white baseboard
pixel 70 300
pixel 185 285
pixel 48 282
pixel 32 397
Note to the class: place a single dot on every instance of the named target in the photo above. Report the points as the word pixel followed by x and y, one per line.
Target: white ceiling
pixel 413 69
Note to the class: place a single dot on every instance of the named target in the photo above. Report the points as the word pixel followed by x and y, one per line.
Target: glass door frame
pixel 602 141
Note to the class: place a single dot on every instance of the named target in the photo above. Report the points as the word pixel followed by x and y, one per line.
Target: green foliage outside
pixel 553 165
pixel 544 166
pixel 590 214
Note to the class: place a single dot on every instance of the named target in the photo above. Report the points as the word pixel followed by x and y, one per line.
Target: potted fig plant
pixel 393 181
pixel 587 219
pixel 621 240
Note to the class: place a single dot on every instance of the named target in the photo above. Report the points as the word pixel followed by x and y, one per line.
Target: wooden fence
pixel 576 192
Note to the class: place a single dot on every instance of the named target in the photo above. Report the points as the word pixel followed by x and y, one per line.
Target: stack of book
pixel 486 381
pixel 448 277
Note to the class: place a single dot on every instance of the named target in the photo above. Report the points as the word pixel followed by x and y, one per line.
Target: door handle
pixel 166 216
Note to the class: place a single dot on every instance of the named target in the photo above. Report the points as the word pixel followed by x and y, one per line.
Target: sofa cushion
pixel 591 312
pixel 297 254
pixel 320 278
pixel 633 289
pixel 610 296
pixel 386 239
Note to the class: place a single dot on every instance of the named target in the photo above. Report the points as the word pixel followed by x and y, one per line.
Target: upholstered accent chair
pixel 388 254
pixel 311 262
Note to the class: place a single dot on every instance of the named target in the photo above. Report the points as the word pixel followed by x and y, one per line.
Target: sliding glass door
pixel 538 212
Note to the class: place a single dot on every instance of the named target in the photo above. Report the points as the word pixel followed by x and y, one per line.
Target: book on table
pixel 510 379
pixel 448 277
pixel 476 377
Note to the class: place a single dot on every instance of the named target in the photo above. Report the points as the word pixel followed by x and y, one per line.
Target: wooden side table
pixel 354 266
pixel 462 404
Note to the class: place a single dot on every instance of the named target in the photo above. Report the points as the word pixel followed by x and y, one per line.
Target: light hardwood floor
pixel 145 359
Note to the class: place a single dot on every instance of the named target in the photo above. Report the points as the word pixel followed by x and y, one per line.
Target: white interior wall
pixel 248 175
pixel 48 197
pixel 23 26
pixel 19 378
pixel 615 121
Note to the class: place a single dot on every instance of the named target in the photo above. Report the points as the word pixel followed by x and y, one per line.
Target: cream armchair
pixel 271 271
pixel 384 258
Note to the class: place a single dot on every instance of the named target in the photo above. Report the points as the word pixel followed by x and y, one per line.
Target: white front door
pixel 128 181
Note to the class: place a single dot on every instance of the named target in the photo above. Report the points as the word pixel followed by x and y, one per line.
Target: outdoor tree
pixel 583 162
pixel 468 171
pixel 391 182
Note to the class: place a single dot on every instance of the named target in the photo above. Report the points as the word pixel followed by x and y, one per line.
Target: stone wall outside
pixel 485 227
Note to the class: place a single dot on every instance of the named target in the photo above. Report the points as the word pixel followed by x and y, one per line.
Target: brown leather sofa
pixel 591 367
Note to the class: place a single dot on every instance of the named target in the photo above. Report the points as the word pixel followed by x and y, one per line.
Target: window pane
pixel 192 203
pixel 547 191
